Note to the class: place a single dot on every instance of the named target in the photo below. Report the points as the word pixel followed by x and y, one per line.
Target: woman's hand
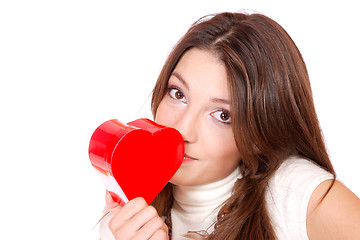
pixel 135 220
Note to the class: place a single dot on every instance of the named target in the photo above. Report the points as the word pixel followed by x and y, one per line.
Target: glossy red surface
pixel 141 156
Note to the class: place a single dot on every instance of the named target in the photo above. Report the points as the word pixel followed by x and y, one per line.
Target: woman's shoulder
pixel 297 170
pixel 288 195
pixel 296 177
pixel 333 212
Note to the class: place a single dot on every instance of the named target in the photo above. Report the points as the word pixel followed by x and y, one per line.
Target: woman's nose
pixel 187 125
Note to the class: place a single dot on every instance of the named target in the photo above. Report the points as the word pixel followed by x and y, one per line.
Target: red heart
pixel 137 159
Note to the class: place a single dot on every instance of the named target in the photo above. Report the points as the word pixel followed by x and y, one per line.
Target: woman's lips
pixel 187 158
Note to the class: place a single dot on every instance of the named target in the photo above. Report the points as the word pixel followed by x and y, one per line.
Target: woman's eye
pixel 176 94
pixel 222 115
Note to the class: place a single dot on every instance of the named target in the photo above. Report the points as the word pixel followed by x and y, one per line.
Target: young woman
pixel 256 167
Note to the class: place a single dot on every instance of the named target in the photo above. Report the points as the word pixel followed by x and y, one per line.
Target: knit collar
pixel 197 199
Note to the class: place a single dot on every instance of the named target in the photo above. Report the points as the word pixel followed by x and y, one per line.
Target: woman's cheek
pixel 161 113
pixel 220 144
pixel 168 113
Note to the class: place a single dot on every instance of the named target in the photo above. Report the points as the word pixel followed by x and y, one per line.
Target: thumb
pixel 111 205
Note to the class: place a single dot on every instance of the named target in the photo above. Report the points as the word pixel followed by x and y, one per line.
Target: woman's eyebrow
pixel 213 99
pixel 220 100
pixel 179 77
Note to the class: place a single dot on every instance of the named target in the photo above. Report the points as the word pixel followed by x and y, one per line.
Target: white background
pixel 67 66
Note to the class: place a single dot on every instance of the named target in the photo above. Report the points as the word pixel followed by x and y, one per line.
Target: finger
pixel 110 203
pixel 133 207
pixel 143 218
pixel 160 235
pixel 124 214
pixel 151 228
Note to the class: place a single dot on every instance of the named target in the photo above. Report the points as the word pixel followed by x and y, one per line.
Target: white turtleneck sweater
pixel 196 207
pixel 287 197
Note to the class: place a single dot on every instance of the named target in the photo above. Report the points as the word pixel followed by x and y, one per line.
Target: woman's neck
pixel 196 207
pixel 193 197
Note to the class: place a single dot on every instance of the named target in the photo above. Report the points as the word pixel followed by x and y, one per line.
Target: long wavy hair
pixel 272 110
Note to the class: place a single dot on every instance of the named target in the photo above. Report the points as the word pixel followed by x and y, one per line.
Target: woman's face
pixel 197 105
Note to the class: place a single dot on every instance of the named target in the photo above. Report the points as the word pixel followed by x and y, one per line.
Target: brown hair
pixel 272 109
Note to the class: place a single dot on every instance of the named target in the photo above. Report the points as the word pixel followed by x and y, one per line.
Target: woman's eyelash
pixel 177 95
pixel 171 87
pixel 222 113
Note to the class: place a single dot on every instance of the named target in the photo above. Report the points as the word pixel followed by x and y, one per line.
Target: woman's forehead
pixel 201 69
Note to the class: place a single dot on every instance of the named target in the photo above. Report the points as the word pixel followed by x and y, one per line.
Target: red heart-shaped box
pixel 136 159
